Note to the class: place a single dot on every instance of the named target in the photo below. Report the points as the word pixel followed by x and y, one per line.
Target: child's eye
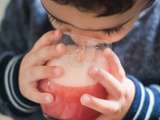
pixel 57 23
pixel 113 30
pixel 54 21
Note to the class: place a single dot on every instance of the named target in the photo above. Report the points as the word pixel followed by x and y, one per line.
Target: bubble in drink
pixel 68 89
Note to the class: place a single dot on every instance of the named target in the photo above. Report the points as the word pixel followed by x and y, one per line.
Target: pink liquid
pixel 68 89
pixel 66 105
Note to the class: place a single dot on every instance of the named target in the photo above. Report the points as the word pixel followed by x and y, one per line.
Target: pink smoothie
pixel 66 105
pixel 75 82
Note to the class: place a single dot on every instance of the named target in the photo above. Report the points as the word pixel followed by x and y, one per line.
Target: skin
pixel 120 89
pixel 90 23
pixel 33 68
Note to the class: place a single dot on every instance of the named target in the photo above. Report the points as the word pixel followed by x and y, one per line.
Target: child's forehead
pixel 86 20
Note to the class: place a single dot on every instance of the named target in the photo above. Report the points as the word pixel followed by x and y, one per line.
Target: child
pixel 132 26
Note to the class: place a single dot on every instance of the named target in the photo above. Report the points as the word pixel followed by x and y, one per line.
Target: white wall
pixel 3 4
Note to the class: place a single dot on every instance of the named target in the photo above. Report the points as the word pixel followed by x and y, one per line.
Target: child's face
pixel 107 28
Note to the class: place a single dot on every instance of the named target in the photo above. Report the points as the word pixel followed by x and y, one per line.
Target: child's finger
pixel 47 54
pixel 45 72
pixel 102 117
pixel 38 97
pixel 47 39
pixel 109 82
pixel 114 64
pixel 100 105
pixel 108 117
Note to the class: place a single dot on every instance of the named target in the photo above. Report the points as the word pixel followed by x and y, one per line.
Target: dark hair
pixel 103 7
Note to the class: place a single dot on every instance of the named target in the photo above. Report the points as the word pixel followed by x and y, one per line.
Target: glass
pixel 68 89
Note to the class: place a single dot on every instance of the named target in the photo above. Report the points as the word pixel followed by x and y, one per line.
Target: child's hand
pixel 33 67
pixel 120 90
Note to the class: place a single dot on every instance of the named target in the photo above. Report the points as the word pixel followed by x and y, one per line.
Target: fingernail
pixel 49 99
pixel 85 99
pixel 60 48
pixel 57 34
pixel 108 50
pixel 94 71
pixel 57 72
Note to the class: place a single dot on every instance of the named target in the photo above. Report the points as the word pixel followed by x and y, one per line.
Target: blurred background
pixel 3 4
